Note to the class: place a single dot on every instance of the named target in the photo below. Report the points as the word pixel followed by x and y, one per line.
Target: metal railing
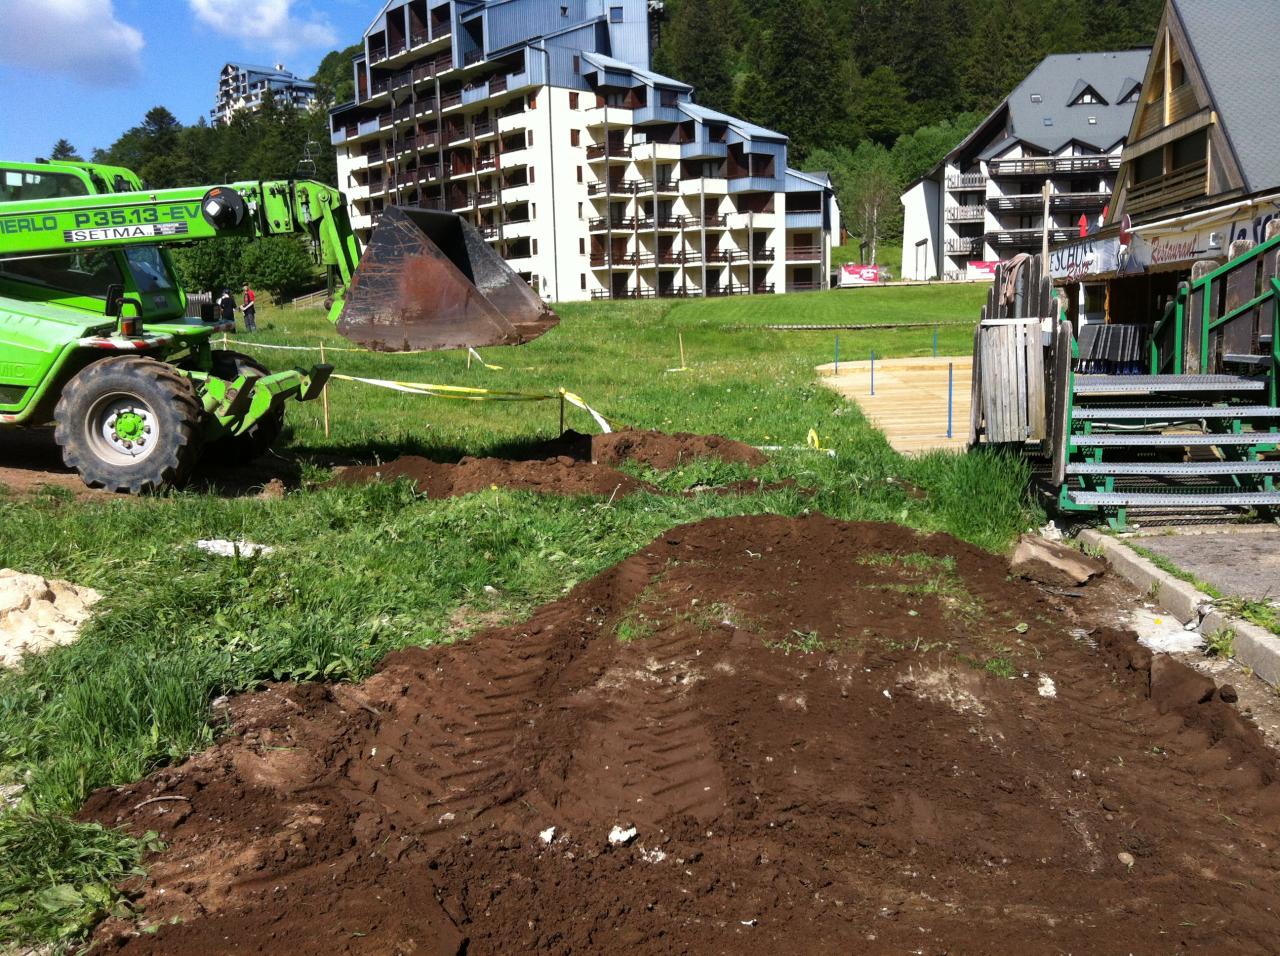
pixel 1053 166
pixel 967 181
pixel 804 253
pixel 965 213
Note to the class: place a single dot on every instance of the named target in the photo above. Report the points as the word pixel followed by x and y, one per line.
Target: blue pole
pixel 935 343
pixel 950 391
pixel 873 371
pixel 837 355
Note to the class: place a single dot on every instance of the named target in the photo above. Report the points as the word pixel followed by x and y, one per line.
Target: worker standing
pixel 227 307
pixel 250 310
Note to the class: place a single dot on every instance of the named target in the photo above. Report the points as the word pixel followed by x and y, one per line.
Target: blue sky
pixel 88 70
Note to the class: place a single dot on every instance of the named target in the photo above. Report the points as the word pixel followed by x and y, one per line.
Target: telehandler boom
pixel 94 332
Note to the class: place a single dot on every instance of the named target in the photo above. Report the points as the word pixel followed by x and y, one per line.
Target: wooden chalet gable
pixel 1177 154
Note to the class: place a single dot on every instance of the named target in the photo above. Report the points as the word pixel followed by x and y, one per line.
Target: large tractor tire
pixel 130 424
pixel 257 441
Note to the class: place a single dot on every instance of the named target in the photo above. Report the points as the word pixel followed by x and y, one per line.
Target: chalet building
pixel 1063 126
pixel 1200 169
pixel 241 86
pixel 542 124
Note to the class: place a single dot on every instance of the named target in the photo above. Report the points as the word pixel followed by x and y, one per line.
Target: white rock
pixel 652 856
pixel 547 835
pixel 1051 532
pixel 621 836
pixel 1046 687
pixel 1126 858
pixel 222 548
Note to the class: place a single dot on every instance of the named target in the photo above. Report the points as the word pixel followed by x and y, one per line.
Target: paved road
pixel 1245 564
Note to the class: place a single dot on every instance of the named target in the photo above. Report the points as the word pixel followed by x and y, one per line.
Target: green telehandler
pixel 94 328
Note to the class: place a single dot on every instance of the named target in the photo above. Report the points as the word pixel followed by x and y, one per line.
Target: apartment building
pixel 241 86
pixel 1064 126
pixel 542 124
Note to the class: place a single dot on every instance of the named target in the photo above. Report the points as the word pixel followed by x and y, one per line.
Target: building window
pixel 615 14
pixel 535 247
pixel 584 280
pixel 1037 98
pixel 533 102
pixel 577 63
pixel 582 247
pixel 530 137
pixel 580 209
pixel 531 174
pixel 573 101
pixel 579 174
pixel 575 139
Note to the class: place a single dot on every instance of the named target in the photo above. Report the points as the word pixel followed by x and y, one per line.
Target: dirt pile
pixel 560 476
pixel 37 614
pixel 655 449
pixel 828 737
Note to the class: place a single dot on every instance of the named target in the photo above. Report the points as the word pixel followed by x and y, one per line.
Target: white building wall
pixel 920 238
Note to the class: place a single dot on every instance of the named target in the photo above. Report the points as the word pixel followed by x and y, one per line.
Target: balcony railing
pixel 1058 202
pixel 612 149
pixel 475 56
pixel 963 247
pixel 678 258
pixel 1053 166
pixel 965 213
pixel 498 84
pixel 733 288
pixel 967 181
pixel 448 100
pixel 764 255
pixel 764 288
pixel 715 221
pixel 1190 182
pixel 804 253
pixel 419 38
pixel 1025 237
pixel 810 285
pixel 727 255
pixel 604 223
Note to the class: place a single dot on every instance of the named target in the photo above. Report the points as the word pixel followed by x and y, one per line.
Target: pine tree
pixel 695 50
pixel 63 150
pixel 801 58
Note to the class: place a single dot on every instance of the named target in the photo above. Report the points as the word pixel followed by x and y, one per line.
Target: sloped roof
pixel 1058 80
pixel 1233 43
pixel 603 62
pixel 749 130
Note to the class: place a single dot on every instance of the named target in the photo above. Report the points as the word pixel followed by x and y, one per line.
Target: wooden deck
pixel 910 403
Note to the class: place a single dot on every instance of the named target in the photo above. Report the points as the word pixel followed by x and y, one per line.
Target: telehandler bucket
pixel 428 280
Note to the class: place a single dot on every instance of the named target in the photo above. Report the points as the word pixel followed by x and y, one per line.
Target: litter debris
pixel 1160 632
pixel 547 835
pixel 750 922
pixel 652 856
pixel 1051 532
pixel 1046 687
pixel 622 836
pixel 222 548
pixel 37 614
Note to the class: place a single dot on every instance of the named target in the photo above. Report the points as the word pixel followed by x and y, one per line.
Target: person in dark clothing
pixel 227 307
pixel 250 310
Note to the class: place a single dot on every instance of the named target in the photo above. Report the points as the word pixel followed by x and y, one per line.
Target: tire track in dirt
pixel 814 729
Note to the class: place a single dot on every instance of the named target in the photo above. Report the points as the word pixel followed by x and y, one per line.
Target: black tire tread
pixel 167 468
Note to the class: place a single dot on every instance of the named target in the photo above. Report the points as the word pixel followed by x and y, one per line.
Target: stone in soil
pixel 1049 562
pixel 810 731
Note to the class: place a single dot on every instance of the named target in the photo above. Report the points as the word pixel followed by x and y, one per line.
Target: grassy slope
pixel 360 571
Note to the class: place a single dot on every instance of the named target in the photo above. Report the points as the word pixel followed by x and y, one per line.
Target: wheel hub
pixel 125 429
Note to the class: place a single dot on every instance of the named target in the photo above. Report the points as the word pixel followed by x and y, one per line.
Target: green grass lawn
pixel 360 571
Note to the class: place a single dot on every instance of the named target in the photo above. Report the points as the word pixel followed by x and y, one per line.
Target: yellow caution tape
pixel 468 394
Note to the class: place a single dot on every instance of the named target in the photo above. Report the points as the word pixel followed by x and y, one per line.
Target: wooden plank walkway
pixel 910 403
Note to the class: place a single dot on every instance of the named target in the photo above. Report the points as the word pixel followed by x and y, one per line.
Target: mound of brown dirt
pixel 655 449
pixel 828 737
pixel 560 476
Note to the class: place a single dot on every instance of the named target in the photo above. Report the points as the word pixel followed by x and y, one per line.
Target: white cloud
pixel 81 38
pixel 265 23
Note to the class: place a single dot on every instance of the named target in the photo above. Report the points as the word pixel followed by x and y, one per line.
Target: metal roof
pixel 749 130
pixel 1233 42
pixel 1053 123
pixel 611 65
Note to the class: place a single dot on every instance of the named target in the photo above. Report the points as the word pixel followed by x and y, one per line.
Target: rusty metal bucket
pixel 428 280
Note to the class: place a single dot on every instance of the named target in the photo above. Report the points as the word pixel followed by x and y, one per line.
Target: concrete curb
pixel 1255 647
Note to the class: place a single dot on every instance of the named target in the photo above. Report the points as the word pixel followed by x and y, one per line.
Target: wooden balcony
pixel 604 224
pixel 965 213
pixel 1026 238
pixel 1190 182
pixel 804 253
pixel 617 150
pixel 961 181
pixel 1058 202
pixel 964 247
pixel 1054 165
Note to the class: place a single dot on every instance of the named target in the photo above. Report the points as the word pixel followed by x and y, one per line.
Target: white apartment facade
pixel 594 177
pixel 1064 126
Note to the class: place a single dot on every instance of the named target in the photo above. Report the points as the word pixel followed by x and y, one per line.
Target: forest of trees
pixel 874 92
pixel 877 91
